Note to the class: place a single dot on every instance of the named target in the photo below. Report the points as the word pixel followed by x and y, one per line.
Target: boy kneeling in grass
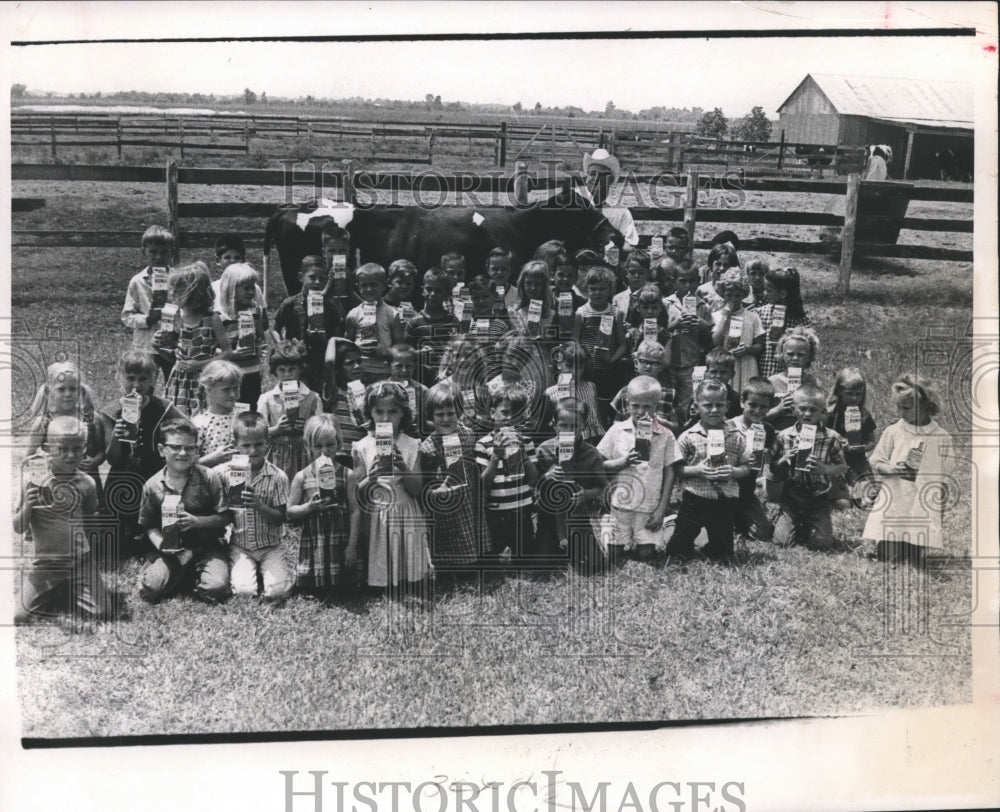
pixel 643 454
pixel 714 459
pixel 56 495
pixel 807 457
pixel 183 511
pixel 257 493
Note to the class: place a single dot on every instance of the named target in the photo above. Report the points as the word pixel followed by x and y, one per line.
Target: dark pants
pixel 511 528
pixel 717 516
pixel 750 515
pixel 60 585
pixel 250 389
pixel 804 517
pixel 164 365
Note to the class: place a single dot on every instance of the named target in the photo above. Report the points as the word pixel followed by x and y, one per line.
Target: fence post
pixel 246 137
pixel 348 181
pixel 781 151
pixel 503 144
pixel 52 135
pixel 430 145
pixel 521 184
pixel 118 127
pixel 180 128
pixel 173 223
pixel 691 205
pixel 847 235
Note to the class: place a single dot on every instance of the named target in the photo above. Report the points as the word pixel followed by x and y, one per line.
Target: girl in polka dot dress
pixel 220 381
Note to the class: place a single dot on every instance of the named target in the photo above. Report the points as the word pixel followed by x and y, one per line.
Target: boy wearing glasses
pixel 184 512
pixel 55 497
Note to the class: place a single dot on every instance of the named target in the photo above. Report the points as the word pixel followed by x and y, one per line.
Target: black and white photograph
pixel 481 405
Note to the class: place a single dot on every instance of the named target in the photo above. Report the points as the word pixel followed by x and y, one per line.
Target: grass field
pixel 783 632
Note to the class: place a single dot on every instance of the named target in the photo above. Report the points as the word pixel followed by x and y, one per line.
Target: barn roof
pixel 917 101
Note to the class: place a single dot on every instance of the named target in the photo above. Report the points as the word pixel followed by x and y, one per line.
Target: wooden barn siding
pixel 810 129
pixel 808 99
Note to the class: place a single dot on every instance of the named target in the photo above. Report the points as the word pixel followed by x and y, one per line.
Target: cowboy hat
pixel 601 157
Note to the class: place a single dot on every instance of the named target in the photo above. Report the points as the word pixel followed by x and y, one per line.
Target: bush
pixel 257 159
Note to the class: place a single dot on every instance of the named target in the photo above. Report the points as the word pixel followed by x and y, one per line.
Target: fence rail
pixel 518 186
pixel 670 146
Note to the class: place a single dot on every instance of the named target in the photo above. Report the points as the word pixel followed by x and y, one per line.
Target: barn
pixel 929 124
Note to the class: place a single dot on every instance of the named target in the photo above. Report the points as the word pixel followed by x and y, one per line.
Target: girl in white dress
pixel 914 460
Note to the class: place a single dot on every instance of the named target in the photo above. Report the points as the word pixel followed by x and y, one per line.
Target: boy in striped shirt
pixel 509 474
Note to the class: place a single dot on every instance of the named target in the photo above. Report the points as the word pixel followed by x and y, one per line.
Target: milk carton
pixel 915 456
pixel 356 398
pixel 338 267
pixel 607 329
pixel 168 523
pixel 315 319
pixel 807 442
pixel 452 444
pixel 650 329
pixel 794 375
pixel 564 386
pixel 534 317
pixel 567 446
pixel 643 438
pixel 716 447
pixel 852 426
pixel 735 335
pixel 246 336
pixel 777 323
pixel 131 410
pixel 327 476
pixel 758 441
pixel 237 478
pixel 290 400
pixel 158 284
pixel 383 448
pixel 166 331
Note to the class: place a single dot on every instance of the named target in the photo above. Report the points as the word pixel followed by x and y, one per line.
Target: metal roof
pixel 925 102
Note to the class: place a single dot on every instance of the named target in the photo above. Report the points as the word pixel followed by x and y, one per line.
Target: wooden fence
pixel 647 149
pixel 516 188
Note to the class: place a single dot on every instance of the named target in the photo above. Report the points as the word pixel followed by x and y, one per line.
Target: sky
pixel 734 74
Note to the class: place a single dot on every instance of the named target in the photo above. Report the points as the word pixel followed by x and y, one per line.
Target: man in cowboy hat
pixel 603 170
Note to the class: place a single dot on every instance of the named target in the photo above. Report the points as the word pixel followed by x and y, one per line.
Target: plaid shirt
pixel 828 449
pixel 693 448
pixel 271 487
pixel 769 363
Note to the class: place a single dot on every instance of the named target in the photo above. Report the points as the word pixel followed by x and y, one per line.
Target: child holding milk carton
pixel 257 493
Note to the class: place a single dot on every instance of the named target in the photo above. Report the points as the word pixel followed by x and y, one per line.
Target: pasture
pixel 783 632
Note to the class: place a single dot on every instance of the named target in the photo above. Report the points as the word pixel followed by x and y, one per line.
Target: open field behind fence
pixel 646 147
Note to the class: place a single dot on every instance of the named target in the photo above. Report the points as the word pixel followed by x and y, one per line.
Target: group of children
pixel 574 414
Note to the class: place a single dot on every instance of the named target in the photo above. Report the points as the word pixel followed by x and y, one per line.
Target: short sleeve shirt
pixel 637 487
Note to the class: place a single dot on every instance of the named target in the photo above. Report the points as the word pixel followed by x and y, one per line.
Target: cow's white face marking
pixel 341 213
pixel 478 219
